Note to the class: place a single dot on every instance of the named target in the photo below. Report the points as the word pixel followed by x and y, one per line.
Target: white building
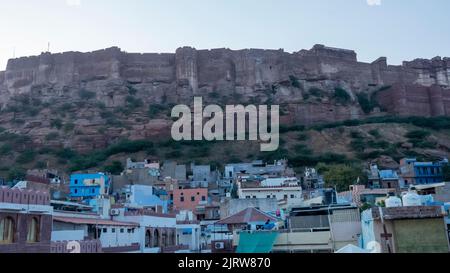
pixel 114 236
pixel 156 231
pixel 287 191
pixel 188 231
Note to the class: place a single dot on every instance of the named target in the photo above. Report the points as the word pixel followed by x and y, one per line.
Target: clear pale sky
pixel 398 29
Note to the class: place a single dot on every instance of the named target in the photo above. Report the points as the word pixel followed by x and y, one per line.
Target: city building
pixel 140 196
pixel 311 180
pixel 231 206
pixel 386 179
pixel 258 167
pixel 247 220
pixel 87 186
pixel 156 231
pixel 413 172
pixel 189 199
pixel 25 221
pixel 287 190
pixel 411 229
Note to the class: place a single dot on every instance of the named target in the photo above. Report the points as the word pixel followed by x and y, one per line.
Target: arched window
pixel 156 238
pixel 33 231
pixel 148 239
pixel 164 239
pixel 7 229
pixel 172 238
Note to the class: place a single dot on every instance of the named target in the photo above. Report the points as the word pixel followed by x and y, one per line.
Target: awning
pixel 257 242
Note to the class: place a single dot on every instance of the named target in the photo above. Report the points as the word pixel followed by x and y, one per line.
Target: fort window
pixel 7 230
pixel 33 231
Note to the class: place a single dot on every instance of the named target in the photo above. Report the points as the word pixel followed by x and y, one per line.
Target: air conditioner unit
pixel 219 245
pixel 114 212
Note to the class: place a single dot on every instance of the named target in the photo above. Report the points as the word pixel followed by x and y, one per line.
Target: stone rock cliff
pixel 87 100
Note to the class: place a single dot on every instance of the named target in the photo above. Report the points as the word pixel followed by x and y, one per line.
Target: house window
pixel 76 181
pixel 268 196
pixel 33 231
pixel 113 230
pixel 193 198
pixel 7 230
pixel 105 230
pixel 292 196
pixel 129 230
pixel 203 198
pixel 285 196
pixel 75 191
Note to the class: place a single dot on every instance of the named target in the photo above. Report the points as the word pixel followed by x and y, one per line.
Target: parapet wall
pixel 26 197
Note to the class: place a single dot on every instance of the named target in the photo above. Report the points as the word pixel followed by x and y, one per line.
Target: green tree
pixel 342 176
pixel 16 173
pixel 114 168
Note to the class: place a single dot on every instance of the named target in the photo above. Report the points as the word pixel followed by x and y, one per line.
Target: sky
pixel 397 29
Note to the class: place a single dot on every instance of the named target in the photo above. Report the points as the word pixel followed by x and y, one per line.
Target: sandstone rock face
pixel 94 90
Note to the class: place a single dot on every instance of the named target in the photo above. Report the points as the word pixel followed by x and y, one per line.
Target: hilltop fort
pixel 96 90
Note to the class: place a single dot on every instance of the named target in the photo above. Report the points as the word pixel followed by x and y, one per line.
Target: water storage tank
pixel 411 199
pixel 393 202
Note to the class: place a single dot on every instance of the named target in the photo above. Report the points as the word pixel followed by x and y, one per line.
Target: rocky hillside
pixel 58 107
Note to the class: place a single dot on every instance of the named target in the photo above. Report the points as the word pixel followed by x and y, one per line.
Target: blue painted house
pixel 89 185
pixel 416 173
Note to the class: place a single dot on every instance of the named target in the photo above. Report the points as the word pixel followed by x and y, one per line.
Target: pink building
pixel 189 199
